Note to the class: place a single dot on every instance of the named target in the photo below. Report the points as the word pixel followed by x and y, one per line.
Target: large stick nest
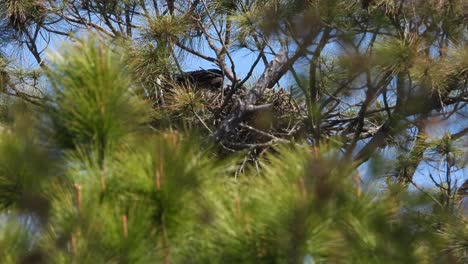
pixel 199 100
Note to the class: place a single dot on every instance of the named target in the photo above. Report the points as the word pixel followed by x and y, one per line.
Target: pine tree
pixel 112 151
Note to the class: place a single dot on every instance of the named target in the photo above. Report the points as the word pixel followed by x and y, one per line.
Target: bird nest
pixel 199 101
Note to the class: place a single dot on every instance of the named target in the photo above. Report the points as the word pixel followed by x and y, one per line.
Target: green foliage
pixel 13 242
pixel 395 55
pixel 21 13
pixel 92 100
pixel 24 169
pixel 86 176
pixel 149 63
pixel 166 29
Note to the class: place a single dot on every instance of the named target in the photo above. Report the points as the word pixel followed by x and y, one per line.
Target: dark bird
pixel 211 79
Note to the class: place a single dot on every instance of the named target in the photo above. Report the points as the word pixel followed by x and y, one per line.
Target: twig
pixel 263 133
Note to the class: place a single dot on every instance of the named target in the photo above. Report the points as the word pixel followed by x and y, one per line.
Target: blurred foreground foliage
pixel 84 179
